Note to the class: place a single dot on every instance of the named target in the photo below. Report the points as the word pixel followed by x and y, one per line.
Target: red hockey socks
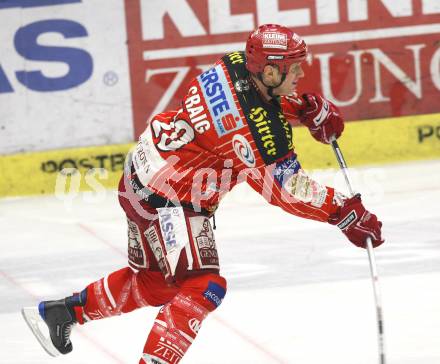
pixel 124 291
pixel 178 322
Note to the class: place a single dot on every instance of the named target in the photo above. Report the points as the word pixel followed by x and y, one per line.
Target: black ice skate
pixel 59 317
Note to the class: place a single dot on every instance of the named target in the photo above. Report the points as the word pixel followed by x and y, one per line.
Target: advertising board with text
pixel 374 59
pixel 64 78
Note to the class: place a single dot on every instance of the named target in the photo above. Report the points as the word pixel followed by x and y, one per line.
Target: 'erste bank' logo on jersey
pixel 78 61
pixel 220 101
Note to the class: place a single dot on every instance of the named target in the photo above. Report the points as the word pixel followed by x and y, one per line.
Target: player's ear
pixel 269 74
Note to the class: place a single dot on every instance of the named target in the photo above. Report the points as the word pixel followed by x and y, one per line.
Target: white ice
pixel 299 292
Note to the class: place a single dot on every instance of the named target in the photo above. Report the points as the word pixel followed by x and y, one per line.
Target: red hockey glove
pixel 322 118
pixel 357 223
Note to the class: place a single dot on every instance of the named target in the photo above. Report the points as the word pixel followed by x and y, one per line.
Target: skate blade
pixel 39 329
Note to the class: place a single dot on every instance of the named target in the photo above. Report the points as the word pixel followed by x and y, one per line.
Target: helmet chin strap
pixel 271 88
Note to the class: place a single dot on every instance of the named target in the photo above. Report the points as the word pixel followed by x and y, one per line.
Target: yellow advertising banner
pixel 368 142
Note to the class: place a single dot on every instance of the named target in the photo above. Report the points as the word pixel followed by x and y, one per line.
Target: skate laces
pixel 66 333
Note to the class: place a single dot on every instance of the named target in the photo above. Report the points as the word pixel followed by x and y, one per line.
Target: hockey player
pixel 233 126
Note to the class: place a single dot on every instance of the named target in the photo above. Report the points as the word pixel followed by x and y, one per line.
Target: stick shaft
pixel 342 164
pixel 371 258
pixel 378 301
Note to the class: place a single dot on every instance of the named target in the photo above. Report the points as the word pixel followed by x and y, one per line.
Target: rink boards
pixel 369 142
pixel 77 74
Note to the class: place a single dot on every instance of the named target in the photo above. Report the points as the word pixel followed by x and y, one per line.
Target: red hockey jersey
pixel 225 133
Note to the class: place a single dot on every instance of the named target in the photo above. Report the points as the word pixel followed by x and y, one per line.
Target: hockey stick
pixel 371 257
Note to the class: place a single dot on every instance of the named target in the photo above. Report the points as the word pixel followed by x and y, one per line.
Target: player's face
pixel 288 87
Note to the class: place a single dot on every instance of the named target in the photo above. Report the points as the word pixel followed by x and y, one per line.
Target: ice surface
pixel 298 291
